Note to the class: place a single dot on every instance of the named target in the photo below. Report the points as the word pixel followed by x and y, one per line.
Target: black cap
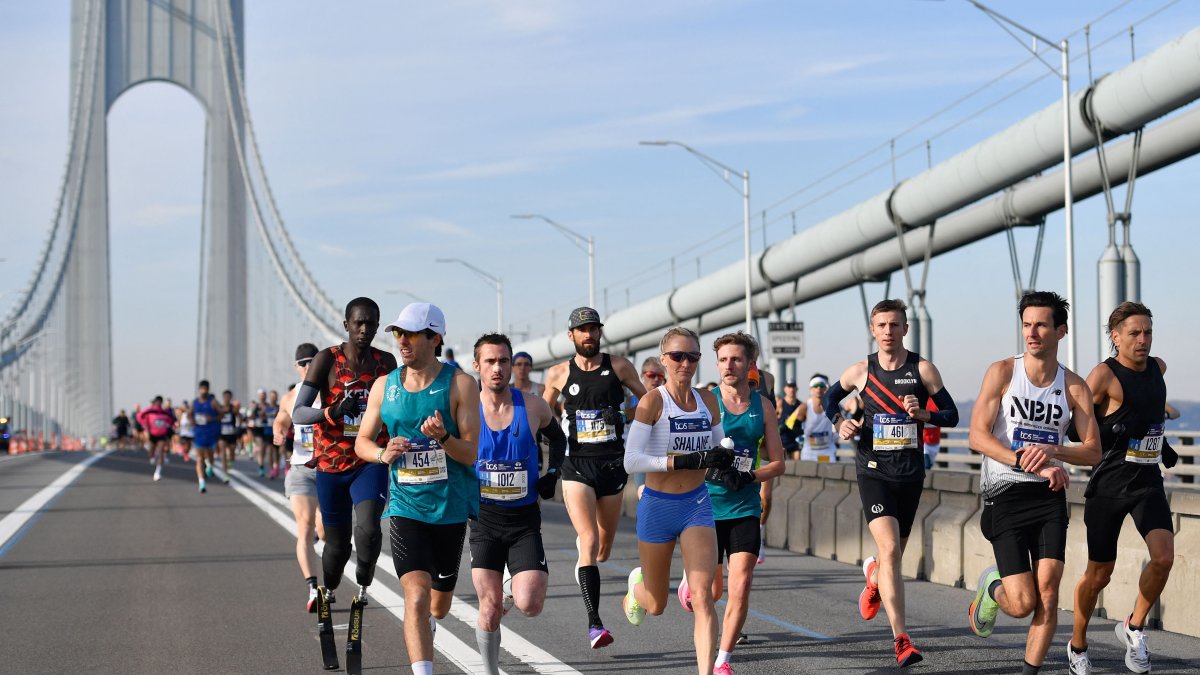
pixel 306 351
pixel 582 316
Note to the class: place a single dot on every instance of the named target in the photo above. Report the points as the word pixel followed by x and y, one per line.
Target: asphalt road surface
pixel 103 570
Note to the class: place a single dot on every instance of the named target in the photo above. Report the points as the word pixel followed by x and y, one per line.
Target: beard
pixel 586 351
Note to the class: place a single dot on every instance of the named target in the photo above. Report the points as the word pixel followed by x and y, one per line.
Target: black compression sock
pixel 589 585
pixel 992 588
pixel 1077 650
pixel 1133 627
pixel 311 581
pixel 1030 669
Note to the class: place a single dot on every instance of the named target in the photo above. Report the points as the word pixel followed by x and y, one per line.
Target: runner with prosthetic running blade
pixel 675 438
pixel 206 428
pixel 349 490
pixel 430 412
pixel 508 532
pixel 894 384
pixel 1129 396
pixel 1019 424
pixel 593 476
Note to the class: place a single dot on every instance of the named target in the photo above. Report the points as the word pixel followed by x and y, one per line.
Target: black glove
pixel 731 478
pixel 347 407
pixel 545 484
pixel 1169 457
pixel 719 458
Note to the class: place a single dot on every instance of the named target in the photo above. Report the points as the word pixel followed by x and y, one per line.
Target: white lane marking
pixel 13 522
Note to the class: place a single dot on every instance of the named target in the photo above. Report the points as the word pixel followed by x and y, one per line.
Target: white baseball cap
pixel 420 316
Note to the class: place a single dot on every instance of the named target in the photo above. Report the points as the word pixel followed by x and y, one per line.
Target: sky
pixel 395 133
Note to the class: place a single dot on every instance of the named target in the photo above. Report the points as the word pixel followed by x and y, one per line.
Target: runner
pixel 257 424
pixel 675 438
pixel 349 490
pixel 430 411
pixel 120 425
pixel 207 429
pixel 749 419
pixel 300 483
pixel 1129 396
pixel 270 412
pixel 819 442
pixel 653 375
pixel 790 424
pixel 1019 423
pixel 159 423
pixel 184 439
pixel 522 365
pixel 228 439
pixel 506 539
pixel 593 476
pixel 894 384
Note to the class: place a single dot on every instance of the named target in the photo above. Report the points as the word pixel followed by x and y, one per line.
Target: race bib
pixel 160 424
pixel 819 441
pixel 595 426
pixel 1023 437
pixel 201 419
pixel 894 432
pixel 688 435
pixel 1146 450
pixel 743 458
pixel 424 462
pixel 502 480
pixel 227 428
pixel 304 438
pixel 351 423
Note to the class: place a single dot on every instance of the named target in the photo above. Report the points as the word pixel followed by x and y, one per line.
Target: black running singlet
pixel 890 443
pixel 592 401
pixel 1132 436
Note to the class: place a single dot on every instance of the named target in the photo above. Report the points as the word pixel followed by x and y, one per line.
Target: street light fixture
pixel 495 281
pixel 724 172
pixel 401 291
pixel 1064 73
pixel 581 242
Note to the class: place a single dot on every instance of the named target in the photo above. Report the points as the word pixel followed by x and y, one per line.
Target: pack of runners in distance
pixel 427 448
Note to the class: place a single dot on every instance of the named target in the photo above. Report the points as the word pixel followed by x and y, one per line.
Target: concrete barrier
pixel 777 524
pixel 1177 612
pixel 1076 561
pixel 823 511
pixel 956 498
pixel 799 510
pixel 850 522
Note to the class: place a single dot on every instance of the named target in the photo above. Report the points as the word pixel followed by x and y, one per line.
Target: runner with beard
pixel 593 473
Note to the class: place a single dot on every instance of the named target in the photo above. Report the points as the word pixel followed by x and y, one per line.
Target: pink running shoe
pixel 685 596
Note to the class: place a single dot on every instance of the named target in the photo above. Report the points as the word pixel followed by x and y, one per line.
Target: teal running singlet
pixel 746 430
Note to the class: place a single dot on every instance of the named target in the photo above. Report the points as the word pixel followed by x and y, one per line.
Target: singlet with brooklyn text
pixel 1028 415
pixel 890 446
pixel 1132 436
pixel 592 401
pixel 508 459
pixel 333 444
pixel 678 431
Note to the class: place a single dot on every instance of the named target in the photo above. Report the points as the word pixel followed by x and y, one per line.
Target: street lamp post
pixel 724 172
pixel 401 291
pixel 581 242
pixel 1064 73
pixel 495 281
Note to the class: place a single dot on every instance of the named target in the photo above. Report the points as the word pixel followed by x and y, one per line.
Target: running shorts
pixel 508 535
pixel 339 492
pixel 1104 516
pixel 300 481
pixel 605 475
pixel 230 440
pixel 1026 522
pixel 663 516
pixel 424 547
pixel 888 498
pixel 738 535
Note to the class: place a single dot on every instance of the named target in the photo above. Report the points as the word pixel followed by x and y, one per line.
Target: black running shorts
pixel 1104 516
pixel 231 441
pixel 737 535
pixel 887 498
pixel 605 475
pixel 1026 522
pixel 508 535
pixel 422 547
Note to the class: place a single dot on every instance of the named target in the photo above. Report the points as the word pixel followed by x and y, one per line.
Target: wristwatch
pixel 1017 464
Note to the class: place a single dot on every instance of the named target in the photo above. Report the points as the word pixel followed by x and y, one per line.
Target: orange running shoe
pixel 868 600
pixel 906 653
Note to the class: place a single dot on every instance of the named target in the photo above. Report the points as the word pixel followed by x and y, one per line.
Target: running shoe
pixel 599 637
pixel 312 600
pixel 432 627
pixel 685 595
pixel 633 611
pixel 208 470
pixel 158 473
pixel 906 653
pixel 274 473
pixel 1080 663
pixel 723 669
pixel 743 639
pixel 203 486
pixel 261 471
pixel 868 599
pixel 982 612
pixel 506 591
pixel 1137 657
pixel 579 554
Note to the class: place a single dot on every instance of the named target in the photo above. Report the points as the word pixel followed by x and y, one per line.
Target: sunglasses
pixel 652 375
pixel 410 334
pixel 680 357
pixel 303 362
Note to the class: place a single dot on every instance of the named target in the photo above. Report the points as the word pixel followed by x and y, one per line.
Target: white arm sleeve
pixel 637 438
pixel 718 434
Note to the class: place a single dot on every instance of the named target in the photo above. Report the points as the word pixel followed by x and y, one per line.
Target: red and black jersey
pixel 333 446
pixel 890 443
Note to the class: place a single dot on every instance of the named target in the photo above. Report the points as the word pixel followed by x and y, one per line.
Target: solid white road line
pixel 13 522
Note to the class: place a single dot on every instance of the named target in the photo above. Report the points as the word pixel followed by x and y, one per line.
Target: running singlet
pixel 592 401
pixel 1028 415
pixel 204 416
pixel 229 423
pixel 158 422
pixel 302 446
pixel 508 459
pixel 788 427
pixel 819 443
pixel 1129 466
pixel 890 446
pixel 678 431
pixel 746 430
pixel 333 445
pixel 425 483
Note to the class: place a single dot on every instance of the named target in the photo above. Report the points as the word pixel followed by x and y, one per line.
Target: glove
pixel 347 407
pixel 721 458
pixel 545 484
pixel 732 479
pixel 1169 456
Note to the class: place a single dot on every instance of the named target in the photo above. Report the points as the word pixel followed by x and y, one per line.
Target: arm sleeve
pixel 833 400
pixel 558 443
pixel 718 434
pixel 947 412
pixel 303 412
pixel 636 459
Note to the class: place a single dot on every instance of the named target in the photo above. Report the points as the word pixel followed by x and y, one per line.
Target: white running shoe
pixel 1080 663
pixel 506 591
pixel 158 473
pixel 579 554
pixel 1137 657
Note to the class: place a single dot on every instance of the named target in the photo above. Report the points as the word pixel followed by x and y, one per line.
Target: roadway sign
pixel 786 339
